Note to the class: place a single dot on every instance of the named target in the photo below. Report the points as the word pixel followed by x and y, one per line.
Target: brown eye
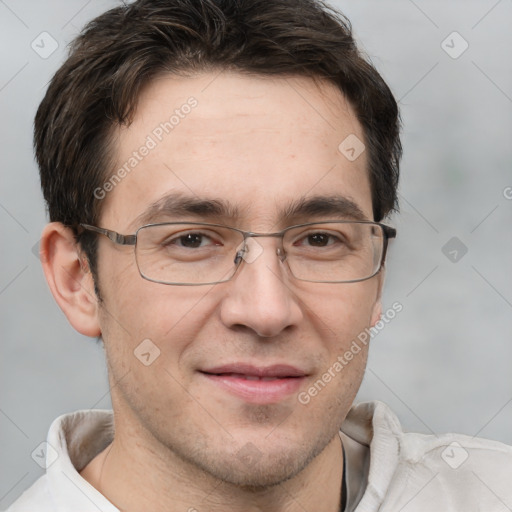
pixel 191 240
pixel 318 239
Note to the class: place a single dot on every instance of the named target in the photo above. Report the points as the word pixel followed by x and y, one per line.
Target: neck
pixel 136 476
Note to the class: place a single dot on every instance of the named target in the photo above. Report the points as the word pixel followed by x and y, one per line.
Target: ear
pixel 69 278
pixel 377 306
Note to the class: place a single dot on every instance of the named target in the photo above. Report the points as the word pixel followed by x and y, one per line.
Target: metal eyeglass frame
pixel 120 239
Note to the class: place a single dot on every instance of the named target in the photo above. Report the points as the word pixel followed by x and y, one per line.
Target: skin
pixel 261 143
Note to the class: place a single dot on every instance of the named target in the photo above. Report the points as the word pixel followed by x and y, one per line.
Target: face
pixel 260 144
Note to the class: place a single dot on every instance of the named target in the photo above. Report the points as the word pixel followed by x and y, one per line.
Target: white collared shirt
pixel 386 469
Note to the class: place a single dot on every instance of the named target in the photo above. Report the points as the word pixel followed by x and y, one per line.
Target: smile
pixel 258 385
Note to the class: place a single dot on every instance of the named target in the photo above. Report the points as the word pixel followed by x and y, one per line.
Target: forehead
pixel 259 144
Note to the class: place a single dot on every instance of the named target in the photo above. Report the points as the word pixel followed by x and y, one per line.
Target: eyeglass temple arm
pixel 389 231
pixel 117 238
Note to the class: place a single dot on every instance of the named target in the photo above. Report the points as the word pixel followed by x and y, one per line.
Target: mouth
pixel 259 385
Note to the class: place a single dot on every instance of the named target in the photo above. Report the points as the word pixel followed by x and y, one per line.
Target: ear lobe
pixel 69 278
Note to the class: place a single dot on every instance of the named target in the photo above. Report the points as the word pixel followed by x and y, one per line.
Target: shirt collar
pixel 371 434
pixel 76 439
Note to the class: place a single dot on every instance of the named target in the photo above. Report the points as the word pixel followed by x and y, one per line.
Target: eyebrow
pixel 335 207
pixel 178 205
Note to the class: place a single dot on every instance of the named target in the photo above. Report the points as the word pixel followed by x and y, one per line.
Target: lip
pixel 259 385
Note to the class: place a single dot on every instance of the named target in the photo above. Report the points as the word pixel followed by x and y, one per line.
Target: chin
pixel 257 466
pixel 263 472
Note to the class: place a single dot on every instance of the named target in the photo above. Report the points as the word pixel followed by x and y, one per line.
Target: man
pixel 217 174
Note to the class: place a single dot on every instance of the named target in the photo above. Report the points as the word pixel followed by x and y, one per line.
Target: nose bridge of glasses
pixel 249 250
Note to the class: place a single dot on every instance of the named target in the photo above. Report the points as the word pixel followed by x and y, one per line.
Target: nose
pixel 260 296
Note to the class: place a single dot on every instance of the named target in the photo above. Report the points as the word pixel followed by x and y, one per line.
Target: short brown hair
pixel 122 50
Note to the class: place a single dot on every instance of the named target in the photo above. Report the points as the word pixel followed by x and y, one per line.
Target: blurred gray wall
pixel 444 362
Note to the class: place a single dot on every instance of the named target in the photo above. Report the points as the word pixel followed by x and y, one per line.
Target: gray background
pixel 444 363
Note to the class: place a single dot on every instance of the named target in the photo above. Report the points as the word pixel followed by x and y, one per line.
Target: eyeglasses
pixel 197 253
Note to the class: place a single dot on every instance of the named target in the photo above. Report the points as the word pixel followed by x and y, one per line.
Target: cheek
pixel 147 335
pixel 342 320
pixel 141 317
pixel 343 311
